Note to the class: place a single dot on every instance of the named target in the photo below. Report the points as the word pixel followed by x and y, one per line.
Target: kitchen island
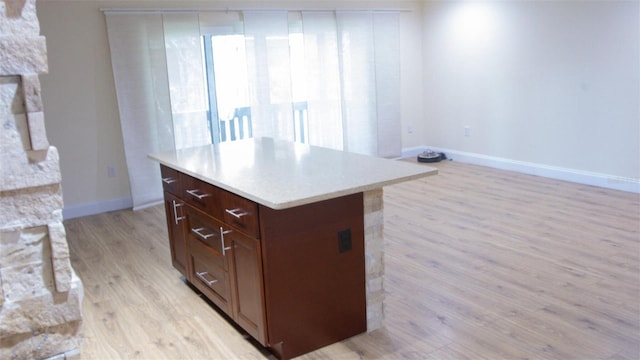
pixel 284 238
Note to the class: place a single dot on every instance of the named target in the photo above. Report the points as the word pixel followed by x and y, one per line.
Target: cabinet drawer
pixel 207 232
pixel 241 213
pixel 171 180
pixel 208 277
pixel 201 195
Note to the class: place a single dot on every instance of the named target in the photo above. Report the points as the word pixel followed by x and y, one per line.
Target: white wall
pixel 79 94
pixel 552 83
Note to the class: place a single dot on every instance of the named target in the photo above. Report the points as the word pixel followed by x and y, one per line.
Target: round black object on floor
pixel 429 156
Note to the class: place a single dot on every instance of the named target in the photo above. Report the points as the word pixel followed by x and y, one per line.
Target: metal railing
pixel 237 128
pixel 240 126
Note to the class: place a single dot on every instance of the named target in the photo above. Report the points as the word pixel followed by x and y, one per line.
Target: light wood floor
pixel 480 264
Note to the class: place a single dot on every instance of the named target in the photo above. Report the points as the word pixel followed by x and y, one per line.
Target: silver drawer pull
pixel 195 194
pixel 223 232
pixel 169 180
pixel 202 276
pixel 198 231
pixel 237 213
pixel 177 218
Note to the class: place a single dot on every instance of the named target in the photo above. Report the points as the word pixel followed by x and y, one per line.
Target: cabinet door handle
pixel 203 276
pixel 198 231
pixel 223 232
pixel 169 180
pixel 195 194
pixel 177 218
pixel 237 213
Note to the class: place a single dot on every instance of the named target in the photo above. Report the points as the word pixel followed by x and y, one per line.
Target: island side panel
pixel 315 294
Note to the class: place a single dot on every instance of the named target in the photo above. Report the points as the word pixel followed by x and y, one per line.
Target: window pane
pixel 230 67
pixel 270 73
pixel 186 80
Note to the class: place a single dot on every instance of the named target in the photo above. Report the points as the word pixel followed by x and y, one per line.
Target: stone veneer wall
pixel 374 257
pixel 40 294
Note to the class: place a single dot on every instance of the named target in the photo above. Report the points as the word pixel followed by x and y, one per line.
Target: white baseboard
pixel 553 172
pixel 412 152
pixel 149 204
pixel 75 211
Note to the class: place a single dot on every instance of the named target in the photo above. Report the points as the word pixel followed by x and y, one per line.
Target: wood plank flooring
pixel 480 264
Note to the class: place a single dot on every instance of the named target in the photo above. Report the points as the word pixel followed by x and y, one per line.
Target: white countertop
pixel 281 174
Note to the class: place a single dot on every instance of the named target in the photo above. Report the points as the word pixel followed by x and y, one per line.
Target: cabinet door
pixel 246 271
pixel 174 209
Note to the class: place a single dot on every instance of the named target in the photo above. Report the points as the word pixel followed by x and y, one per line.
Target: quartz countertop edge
pixel 281 174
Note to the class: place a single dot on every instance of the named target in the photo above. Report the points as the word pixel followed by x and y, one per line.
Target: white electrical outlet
pixel 467 131
pixel 111 171
pixel 410 129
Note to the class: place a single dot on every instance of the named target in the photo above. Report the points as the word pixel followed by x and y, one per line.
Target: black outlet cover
pixel 344 240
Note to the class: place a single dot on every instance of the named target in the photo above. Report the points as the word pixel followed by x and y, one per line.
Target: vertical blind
pixel 139 65
pixel 343 66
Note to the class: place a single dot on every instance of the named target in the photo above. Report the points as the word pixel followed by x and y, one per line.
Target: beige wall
pixel 553 84
pixel 79 98
pixel 80 102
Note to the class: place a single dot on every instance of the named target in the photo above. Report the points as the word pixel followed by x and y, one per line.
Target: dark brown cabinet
pixel 246 272
pixel 284 276
pixel 176 219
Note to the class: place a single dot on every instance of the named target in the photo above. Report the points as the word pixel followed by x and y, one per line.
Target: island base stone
pixel 374 257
